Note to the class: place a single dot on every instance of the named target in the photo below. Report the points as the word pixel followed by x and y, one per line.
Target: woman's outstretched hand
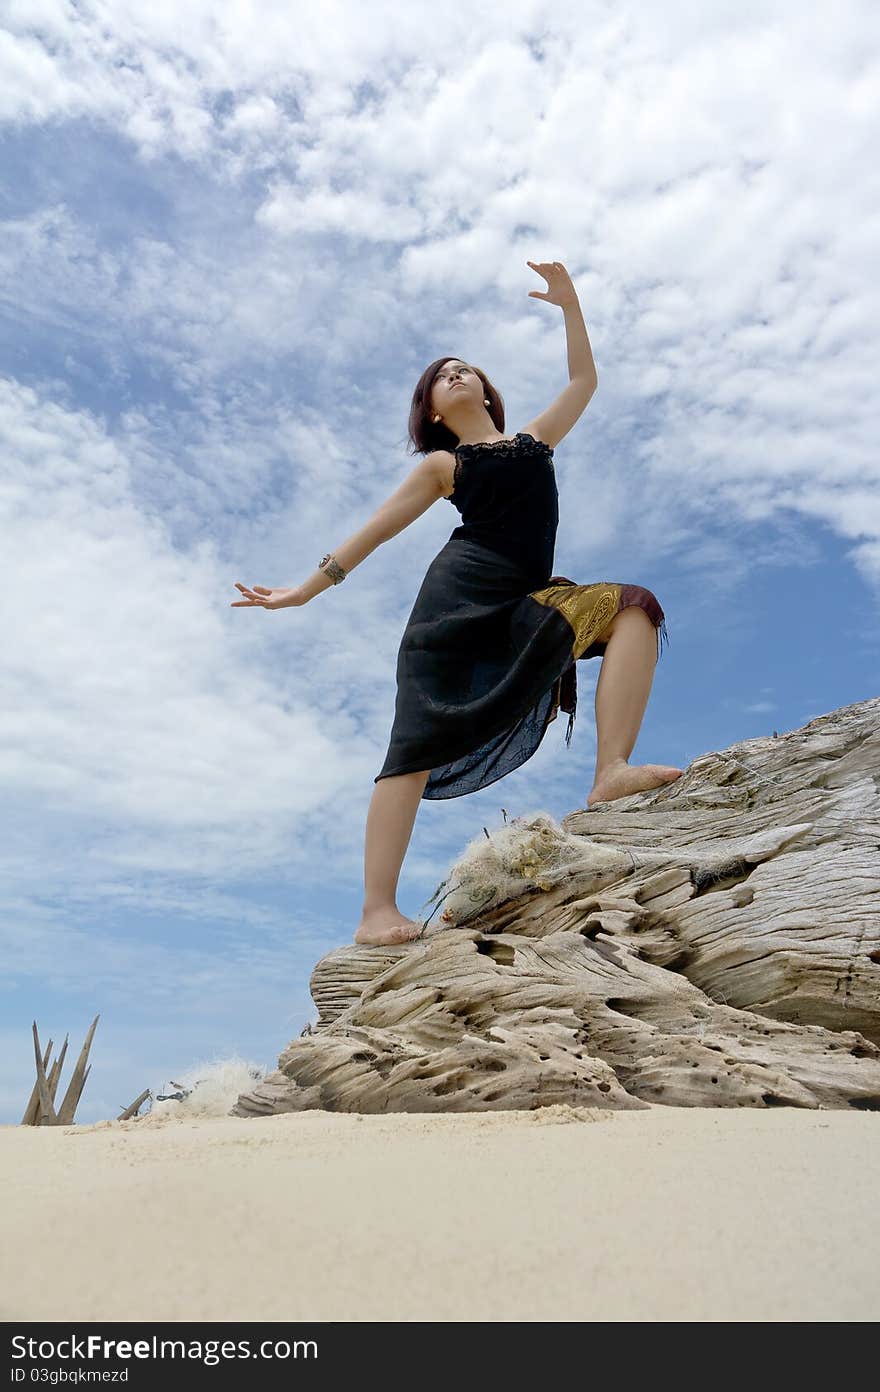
pixel 263 598
pixel 560 290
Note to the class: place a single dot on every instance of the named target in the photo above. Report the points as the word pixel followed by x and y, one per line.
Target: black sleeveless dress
pixel 488 655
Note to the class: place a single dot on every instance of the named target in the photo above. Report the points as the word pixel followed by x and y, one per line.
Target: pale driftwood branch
pixel 40 1110
pixel 55 1073
pixel 32 1110
pixel 134 1107
pixel 46 1114
pixel 712 942
pixel 78 1079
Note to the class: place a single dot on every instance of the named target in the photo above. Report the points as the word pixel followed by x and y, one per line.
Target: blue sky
pixel 231 239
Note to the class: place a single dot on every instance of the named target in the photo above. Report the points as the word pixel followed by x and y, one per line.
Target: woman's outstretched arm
pixel 423 486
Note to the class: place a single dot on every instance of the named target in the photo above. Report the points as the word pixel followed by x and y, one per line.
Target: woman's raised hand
pixel 560 290
pixel 263 598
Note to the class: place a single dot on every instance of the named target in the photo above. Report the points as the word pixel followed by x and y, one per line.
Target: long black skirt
pixel 486 662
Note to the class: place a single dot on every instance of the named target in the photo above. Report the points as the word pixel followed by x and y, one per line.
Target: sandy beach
pixel 556 1214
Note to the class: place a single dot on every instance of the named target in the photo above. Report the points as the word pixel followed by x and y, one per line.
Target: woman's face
pixel 455 379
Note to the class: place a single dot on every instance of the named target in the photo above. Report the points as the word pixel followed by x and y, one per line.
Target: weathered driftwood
pixel 713 942
pixel 134 1107
pixel 32 1110
pixel 40 1110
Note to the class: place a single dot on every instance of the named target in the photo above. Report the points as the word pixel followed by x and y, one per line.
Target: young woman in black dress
pixel 489 651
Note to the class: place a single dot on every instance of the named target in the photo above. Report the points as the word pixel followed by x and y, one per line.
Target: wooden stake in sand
pixel 134 1107
pixel 40 1110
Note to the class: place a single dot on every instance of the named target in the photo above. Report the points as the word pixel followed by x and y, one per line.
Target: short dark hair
pixel 424 434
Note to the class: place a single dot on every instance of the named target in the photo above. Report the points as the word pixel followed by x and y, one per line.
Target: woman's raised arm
pixel 422 487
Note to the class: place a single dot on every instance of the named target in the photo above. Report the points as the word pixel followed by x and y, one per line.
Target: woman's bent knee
pixel 607 632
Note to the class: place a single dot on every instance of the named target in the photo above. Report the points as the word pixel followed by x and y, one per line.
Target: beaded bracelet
pixel 333 568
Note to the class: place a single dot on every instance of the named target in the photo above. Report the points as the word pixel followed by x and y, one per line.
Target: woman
pixel 488 654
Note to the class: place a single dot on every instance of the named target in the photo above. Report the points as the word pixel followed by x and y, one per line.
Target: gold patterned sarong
pixel 588 608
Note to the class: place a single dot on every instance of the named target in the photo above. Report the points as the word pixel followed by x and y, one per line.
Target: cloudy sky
pixel 232 235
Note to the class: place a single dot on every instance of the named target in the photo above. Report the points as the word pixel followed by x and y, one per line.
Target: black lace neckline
pixel 512 445
pixel 506 440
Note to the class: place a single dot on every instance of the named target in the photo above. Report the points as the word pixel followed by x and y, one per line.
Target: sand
pixel 558 1214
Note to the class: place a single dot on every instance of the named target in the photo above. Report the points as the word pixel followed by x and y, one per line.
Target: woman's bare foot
pixel 387 926
pixel 620 779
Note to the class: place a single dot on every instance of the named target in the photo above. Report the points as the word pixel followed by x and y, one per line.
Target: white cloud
pixel 133 690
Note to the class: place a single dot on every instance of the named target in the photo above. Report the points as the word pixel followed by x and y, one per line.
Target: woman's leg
pixel 390 821
pixel 622 693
